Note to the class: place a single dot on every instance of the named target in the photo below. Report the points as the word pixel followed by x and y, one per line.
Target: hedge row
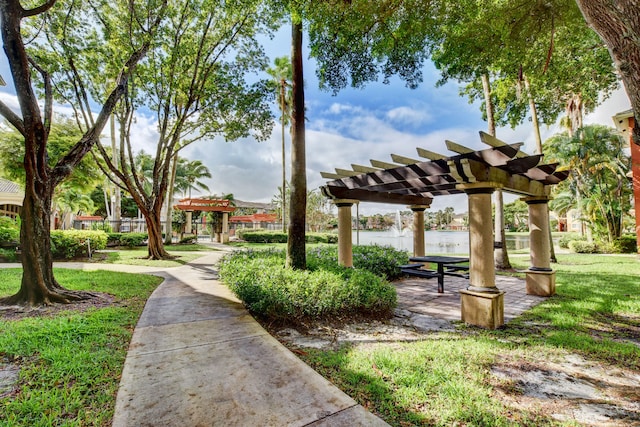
pixel 127 239
pixel 267 236
pixel 69 244
pixel 324 291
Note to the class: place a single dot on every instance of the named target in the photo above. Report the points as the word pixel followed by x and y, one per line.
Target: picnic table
pixel 446 265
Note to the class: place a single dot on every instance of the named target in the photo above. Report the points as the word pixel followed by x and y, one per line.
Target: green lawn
pixel 444 379
pixel 138 256
pixel 70 362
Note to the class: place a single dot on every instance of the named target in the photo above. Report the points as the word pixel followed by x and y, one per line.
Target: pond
pixel 436 242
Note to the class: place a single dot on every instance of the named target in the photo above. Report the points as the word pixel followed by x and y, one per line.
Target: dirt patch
pixel 17 312
pixel 571 389
pixel 403 326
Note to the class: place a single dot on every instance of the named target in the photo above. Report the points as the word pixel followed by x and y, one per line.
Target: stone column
pixel 541 279
pixel 225 227
pixel 188 226
pixel 418 229
pixel 345 253
pixel 482 303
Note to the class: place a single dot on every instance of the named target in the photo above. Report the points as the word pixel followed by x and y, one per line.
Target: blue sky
pixel 352 127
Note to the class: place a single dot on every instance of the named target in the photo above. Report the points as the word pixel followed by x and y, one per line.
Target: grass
pixel 138 256
pixel 70 362
pixel 444 379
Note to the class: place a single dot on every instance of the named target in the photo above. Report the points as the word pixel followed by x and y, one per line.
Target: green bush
pixel 9 232
pixel 627 244
pixel 566 238
pixel 188 239
pixel 583 247
pixel 261 236
pixel 104 226
pixel 8 255
pixel 321 238
pixel 323 291
pixel 269 236
pixel 127 239
pixel 382 261
pixel 75 243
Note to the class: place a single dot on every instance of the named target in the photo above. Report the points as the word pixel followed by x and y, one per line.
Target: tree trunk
pixel 500 252
pixel 618 24
pixel 168 229
pixel 155 245
pixel 296 255
pixel 536 132
pixel 500 248
pixel 284 168
pixel 38 286
pixel 488 102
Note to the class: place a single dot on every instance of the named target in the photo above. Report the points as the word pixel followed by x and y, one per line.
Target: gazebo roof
pixel 205 205
pixel 416 182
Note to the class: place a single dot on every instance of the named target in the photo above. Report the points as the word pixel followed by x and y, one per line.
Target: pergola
pixel 188 205
pixel 477 173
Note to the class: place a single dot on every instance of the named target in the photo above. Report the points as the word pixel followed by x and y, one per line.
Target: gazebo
pixel 188 205
pixel 476 173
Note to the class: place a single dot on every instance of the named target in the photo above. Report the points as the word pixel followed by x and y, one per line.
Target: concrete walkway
pixel 197 358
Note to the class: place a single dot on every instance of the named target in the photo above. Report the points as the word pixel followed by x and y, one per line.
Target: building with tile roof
pixel 11 197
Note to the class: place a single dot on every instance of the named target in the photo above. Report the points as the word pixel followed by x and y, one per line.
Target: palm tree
pixel 189 175
pixel 282 74
pixel 598 176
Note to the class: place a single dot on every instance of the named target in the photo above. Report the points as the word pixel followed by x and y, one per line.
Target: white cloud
pixel 408 116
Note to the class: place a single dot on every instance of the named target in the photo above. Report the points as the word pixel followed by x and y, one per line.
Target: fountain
pixel 397 229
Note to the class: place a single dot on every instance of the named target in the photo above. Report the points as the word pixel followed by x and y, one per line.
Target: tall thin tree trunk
pixel 296 256
pixel 500 248
pixel 491 122
pixel 116 214
pixel 168 228
pixel 284 168
pixel 536 132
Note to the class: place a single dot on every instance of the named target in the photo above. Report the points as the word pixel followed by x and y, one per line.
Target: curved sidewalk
pixel 197 358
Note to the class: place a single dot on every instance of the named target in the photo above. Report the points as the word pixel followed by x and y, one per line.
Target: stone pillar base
pixel 225 238
pixel 482 309
pixel 541 283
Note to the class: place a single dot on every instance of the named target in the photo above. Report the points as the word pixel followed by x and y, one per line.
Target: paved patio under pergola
pixel 421 296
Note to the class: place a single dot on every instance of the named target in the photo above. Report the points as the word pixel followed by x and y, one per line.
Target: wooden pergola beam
pixel 333 192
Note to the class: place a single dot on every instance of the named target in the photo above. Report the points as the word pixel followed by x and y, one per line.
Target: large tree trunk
pixel 38 286
pixel 296 255
pixel 618 24
pixel 155 244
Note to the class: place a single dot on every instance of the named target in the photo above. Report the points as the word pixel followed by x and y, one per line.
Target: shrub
pixel 104 226
pixel 127 239
pixel 188 239
pixel 269 236
pixel 325 290
pixel 380 260
pixel 8 255
pixel 566 238
pixel 627 244
pixel 9 232
pixel 583 247
pixel 74 243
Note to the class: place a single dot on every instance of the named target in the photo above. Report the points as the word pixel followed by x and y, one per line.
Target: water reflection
pixel 446 242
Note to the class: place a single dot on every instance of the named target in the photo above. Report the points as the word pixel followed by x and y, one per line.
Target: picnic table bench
pixel 447 265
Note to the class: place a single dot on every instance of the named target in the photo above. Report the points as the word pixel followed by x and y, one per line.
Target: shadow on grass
pixel 597 315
